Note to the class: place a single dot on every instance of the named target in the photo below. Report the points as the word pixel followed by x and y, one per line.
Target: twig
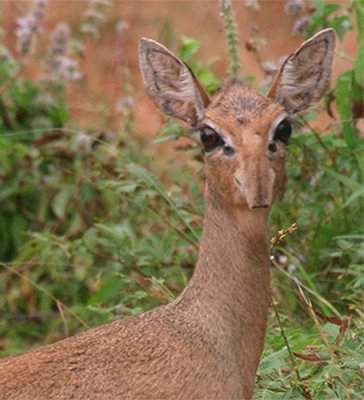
pixel 304 390
pixel 297 281
pixel 57 301
pixel 8 123
pixel 60 309
pixel 303 387
pixel 282 233
pixel 324 338
pixel 320 141
pixel 331 157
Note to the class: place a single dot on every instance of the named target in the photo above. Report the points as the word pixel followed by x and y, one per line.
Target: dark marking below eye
pixel 228 151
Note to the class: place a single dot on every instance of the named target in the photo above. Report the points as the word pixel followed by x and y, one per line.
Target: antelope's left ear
pixel 305 75
pixel 171 84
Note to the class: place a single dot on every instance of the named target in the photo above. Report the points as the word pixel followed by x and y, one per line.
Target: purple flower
pixel 252 4
pixel 94 17
pixel 94 14
pixel 61 66
pixel 301 24
pixel 125 104
pixel 121 27
pixel 269 68
pixel 83 143
pixel 64 69
pixel 282 259
pixel 294 7
pixel 28 26
pixel 59 41
pixel 291 268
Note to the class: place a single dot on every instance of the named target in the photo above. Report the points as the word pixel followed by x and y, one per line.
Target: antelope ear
pixel 171 84
pixel 305 75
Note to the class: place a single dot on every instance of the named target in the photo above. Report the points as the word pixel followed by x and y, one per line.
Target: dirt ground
pixel 93 99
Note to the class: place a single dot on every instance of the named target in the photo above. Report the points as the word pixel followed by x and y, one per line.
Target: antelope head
pixel 244 134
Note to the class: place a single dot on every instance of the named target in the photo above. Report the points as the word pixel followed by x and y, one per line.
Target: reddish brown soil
pixel 93 100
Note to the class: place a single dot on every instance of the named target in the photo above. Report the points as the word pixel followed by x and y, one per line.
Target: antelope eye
pixel 283 131
pixel 210 139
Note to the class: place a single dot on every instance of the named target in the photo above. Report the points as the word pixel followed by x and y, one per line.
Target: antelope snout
pixel 259 191
pixel 255 182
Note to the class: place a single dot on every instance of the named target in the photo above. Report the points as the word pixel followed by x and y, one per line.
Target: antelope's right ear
pixel 305 75
pixel 171 84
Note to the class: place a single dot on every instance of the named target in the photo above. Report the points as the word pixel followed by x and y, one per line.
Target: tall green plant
pixel 231 34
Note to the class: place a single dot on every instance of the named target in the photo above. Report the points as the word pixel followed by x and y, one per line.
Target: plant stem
pixel 231 35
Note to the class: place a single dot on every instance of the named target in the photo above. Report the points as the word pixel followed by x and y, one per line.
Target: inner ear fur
pixel 305 75
pixel 171 84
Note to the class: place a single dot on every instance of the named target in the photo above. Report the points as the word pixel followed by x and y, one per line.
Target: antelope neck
pixel 229 292
pixel 233 264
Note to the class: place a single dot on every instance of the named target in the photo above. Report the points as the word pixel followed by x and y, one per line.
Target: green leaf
pixel 319 5
pixel 61 200
pixel 354 196
pixel 359 12
pixel 344 102
pixel 109 289
pixel 347 181
pixel 19 225
pixel 169 133
pixel 329 8
pixel 163 139
pixel 359 64
pixel 6 242
pixel 189 48
pixel 59 115
pixel 341 25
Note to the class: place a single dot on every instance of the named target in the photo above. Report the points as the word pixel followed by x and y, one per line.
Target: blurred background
pixel 110 46
pixel 101 197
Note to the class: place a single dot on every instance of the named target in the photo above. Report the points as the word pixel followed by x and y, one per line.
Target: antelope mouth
pixel 260 206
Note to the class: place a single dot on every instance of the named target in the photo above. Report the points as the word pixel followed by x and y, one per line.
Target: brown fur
pixel 207 343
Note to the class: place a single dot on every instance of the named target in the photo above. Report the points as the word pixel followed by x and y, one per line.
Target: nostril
pixel 272 147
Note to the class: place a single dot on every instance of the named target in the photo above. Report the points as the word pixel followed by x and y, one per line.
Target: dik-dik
pixel 207 343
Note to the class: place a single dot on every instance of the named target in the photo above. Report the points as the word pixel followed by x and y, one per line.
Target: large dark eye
pixel 210 139
pixel 283 131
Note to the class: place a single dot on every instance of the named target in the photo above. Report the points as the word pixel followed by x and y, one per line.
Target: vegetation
pixel 90 230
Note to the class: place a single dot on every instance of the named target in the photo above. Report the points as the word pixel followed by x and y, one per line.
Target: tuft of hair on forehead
pixel 241 101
